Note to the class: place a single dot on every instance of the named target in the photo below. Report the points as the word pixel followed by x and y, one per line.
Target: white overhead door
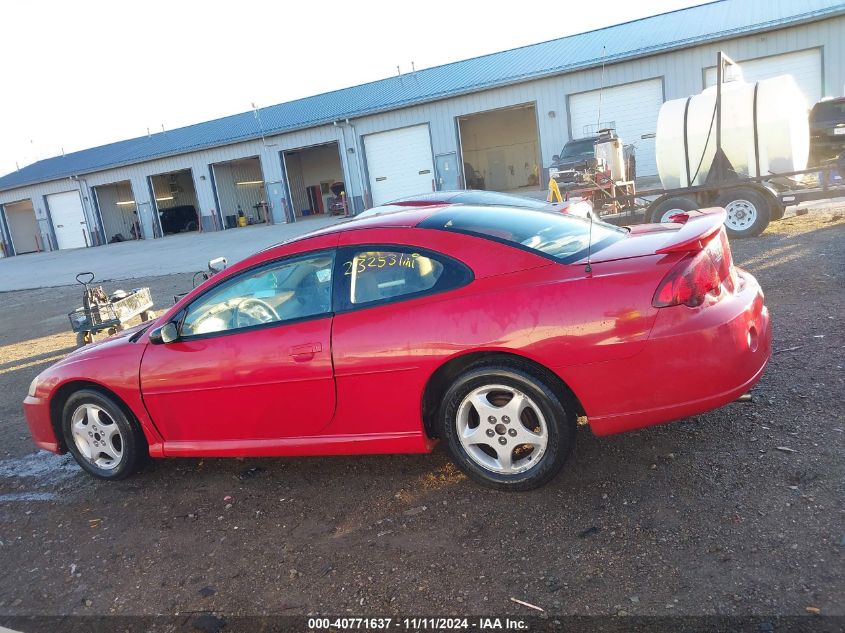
pixel 804 66
pixel 68 219
pixel 630 109
pixel 399 163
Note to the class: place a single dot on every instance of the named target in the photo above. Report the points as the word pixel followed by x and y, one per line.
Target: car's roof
pixel 389 216
pixel 399 216
pixel 428 198
pixel 470 197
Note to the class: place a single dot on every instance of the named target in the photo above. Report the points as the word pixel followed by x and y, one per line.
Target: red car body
pixel 354 382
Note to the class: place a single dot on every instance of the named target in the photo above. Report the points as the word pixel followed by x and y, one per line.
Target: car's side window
pixel 281 291
pixel 374 274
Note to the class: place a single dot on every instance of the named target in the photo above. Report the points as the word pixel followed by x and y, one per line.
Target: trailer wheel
pixel 748 212
pixel 665 209
pixel 147 315
pixel 84 338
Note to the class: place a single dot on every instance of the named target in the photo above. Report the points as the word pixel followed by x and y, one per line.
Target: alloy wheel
pixel 502 429
pixel 97 436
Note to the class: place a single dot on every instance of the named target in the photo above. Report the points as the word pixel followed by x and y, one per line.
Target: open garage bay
pixel 240 192
pixel 501 149
pixel 118 211
pixel 176 201
pixel 22 227
pixel 314 174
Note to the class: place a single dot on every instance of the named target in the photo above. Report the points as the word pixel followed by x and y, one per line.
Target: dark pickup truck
pixel 579 156
pixel 827 130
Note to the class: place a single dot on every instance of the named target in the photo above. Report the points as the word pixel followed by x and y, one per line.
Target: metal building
pixel 490 122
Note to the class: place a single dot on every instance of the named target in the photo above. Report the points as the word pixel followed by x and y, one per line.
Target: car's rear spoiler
pixel 699 227
pixel 687 232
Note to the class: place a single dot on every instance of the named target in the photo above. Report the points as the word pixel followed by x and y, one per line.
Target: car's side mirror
pixel 555 158
pixel 167 333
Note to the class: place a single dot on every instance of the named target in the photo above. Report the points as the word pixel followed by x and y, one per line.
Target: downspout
pixel 88 195
pixel 87 211
pixel 364 195
pixel 344 152
pixel 5 242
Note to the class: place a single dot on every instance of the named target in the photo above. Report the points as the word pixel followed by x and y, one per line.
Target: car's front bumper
pixel 37 412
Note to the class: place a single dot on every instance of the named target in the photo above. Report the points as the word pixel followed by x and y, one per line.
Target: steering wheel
pixel 254 312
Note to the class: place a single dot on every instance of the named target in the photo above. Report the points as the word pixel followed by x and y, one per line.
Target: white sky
pixel 81 73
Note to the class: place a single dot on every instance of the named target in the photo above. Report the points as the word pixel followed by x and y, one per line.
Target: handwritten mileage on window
pixel 363 262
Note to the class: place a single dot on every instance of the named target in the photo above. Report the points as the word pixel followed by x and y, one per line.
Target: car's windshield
pixel 578 148
pixel 559 236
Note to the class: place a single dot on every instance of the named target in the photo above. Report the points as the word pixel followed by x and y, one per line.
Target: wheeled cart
pixel 102 313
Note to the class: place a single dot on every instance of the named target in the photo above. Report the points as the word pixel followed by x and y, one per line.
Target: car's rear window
pixel 557 236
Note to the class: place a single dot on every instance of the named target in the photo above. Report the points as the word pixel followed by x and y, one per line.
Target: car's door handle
pixel 305 351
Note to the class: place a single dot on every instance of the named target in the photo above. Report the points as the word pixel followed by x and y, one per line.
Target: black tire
pixel 740 202
pixel 83 338
pixel 133 444
pixel 678 204
pixel 147 315
pixel 560 422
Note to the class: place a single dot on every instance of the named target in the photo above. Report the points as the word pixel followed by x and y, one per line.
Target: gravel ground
pixel 735 512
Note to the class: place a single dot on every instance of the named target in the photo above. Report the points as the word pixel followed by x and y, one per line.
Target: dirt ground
pixel 735 512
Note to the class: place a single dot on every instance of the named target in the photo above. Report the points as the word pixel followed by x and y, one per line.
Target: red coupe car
pixel 491 329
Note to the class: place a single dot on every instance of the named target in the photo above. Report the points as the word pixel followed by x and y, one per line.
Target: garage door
pixel 804 66
pixel 68 219
pixel 632 109
pixel 399 163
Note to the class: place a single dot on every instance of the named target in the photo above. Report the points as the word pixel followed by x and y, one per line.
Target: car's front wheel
pixel 505 427
pixel 102 438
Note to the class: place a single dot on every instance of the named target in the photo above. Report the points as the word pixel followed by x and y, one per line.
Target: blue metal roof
pixel 646 36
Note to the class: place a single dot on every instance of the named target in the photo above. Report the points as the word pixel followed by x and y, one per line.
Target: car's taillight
pixel 697 275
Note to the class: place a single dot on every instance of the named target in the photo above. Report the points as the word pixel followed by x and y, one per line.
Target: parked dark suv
pixel 827 130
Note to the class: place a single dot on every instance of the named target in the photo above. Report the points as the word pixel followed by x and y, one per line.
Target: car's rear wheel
pixel 102 438
pixel 505 427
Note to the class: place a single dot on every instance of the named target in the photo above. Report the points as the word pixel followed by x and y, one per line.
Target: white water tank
pixel 609 152
pixel 774 135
